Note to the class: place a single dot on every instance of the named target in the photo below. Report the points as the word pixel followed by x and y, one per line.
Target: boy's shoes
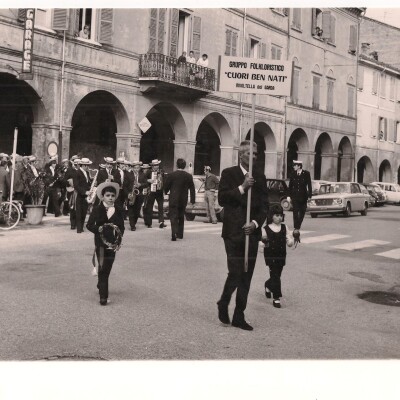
pixel 242 325
pixel 276 303
pixel 103 302
pixel 268 294
pixel 162 225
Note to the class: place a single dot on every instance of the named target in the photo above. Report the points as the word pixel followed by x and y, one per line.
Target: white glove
pixel 288 198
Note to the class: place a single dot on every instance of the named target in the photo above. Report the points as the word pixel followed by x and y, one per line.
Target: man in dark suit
pixel 232 195
pixel 68 181
pixel 300 191
pixel 106 173
pixel 82 185
pixel 178 183
pixel 53 188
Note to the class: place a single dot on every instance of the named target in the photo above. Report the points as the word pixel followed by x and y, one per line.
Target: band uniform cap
pixel 4 155
pixel 135 163
pixel 64 160
pixel 53 158
pixel 120 160
pixel 127 162
pixel 155 162
pixel 102 166
pixel 32 158
pixel 103 185
pixel 144 166
pixel 85 161
pixel 109 160
pixel 297 162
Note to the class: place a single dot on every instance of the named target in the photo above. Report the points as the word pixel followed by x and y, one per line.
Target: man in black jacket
pixel 232 195
pixel 82 183
pixel 178 183
pixel 300 191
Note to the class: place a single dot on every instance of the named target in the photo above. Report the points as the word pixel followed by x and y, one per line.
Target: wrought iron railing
pixel 165 68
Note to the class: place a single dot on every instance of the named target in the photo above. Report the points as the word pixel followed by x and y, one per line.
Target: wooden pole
pixel 13 169
pixel 246 248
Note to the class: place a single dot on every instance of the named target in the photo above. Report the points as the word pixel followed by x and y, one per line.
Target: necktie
pixel 110 211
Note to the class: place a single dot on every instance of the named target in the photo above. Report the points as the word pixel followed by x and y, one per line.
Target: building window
pixel 382 128
pixel 316 90
pixel 316 26
pixel 332 30
pixel 382 88
pixel 254 48
pixel 397 132
pixel 43 18
pixel 360 81
pixel 296 20
pixel 353 39
pixel 231 42
pixel 350 100
pixel 375 78
pixel 156 30
pixel 295 86
pixel 392 84
pixel 276 52
pixel 87 18
pixel 329 99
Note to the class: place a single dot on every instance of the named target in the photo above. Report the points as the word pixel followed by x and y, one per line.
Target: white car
pixel 392 191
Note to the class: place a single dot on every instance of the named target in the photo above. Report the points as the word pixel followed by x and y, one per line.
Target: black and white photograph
pixel 200 201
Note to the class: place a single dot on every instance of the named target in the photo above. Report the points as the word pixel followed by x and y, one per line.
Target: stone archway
pixel 95 122
pixel 266 148
pixel 297 149
pixel 345 161
pixel 385 172
pixel 365 170
pixel 21 107
pixel 324 161
pixel 166 140
pixel 214 144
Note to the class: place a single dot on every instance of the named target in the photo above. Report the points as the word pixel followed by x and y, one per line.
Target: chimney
pixel 364 48
pixel 374 55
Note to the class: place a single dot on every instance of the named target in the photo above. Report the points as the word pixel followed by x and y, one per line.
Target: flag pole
pixel 246 248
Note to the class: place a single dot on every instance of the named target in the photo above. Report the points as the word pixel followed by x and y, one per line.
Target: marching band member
pixel 107 172
pixel 119 177
pixel 52 177
pixel 107 214
pixel 63 186
pixel 136 182
pixel 156 181
pixel 68 180
pixel 145 168
pixel 82 185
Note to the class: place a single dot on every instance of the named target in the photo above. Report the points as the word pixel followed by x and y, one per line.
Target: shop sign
pixel 28 41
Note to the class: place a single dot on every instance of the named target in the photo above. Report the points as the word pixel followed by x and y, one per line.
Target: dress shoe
pixel 276 303
pixel 179 236
pixel 103 302
pixel 173 238
pixel 133 228
pixel 267 292
pixel 207 222
pixel 149 226
pixel 162 225
pixel 79 231
pixel 223 314
pixel 214 222
pixel 242 325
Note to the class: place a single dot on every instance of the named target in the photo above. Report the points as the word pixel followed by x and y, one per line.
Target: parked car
pixel 371 201
pixel 376 191
pixel 316 184
pixel 392 191
pixel 338 198
pixel 199 207
pixel 278 192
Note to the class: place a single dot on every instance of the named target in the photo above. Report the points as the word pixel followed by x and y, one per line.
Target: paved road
pixel 163 295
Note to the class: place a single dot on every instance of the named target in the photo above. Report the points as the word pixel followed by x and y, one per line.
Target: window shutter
pixel 263 50
pixel 273 53
pixel 196 36
pixel 326 25
pixel 106 25
pixel 73 21
pixel 161 30
pixel 360 80
pixel 173 45
pixel 153 30
pixel 374 125
pixel 392 86
pixel 374 82
pixel 295 87
pixel 278 53
pixel 21 14
pixel 385 132
pixel 228 38
pixel 353 39
pixel 297 17
pixel 332 36
pixel 314 21
pixel 316 81
pixel 247 48
pixel 350 101
pixel 383 86
pixel 234 44
pixel 60 19
pixel 392 127
pixel 396 131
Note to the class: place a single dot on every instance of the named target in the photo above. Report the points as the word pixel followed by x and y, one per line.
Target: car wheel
pixel 314 215
pixel 190 217
pixel 347 212
pixel 285 203
pixel 220 216
pixel 364 212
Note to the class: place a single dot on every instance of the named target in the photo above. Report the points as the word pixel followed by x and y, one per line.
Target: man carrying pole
pixel 242 222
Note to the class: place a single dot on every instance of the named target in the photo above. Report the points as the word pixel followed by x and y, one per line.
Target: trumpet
pixel 92 192
pixel 132 195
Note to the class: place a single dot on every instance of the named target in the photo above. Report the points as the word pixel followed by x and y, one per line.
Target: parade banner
pixel 256 76
pixel 28 42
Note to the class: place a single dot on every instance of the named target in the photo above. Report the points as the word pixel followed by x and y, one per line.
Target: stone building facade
pixel 88 95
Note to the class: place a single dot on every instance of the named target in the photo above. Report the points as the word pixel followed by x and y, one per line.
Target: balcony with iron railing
pixel 160 74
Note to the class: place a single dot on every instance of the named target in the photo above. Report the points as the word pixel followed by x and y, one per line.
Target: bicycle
pixel 10 214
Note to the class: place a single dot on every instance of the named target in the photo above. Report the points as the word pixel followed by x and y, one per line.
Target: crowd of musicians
pixel 70 186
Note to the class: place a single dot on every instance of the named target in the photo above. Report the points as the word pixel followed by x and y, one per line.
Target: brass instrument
pixel 153 186
pixel 132 196
pixel 92 192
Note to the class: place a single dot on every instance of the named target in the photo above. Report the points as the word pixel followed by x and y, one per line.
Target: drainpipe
pixel 379 128
pixel 240 95
pixel 284 166
pixel 60 132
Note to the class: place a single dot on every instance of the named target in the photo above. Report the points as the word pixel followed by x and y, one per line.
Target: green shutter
pixel 153 30
pixel 161 30
pixel 173 45
pixel 59 20
pixel 106 25
pixel 196 36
